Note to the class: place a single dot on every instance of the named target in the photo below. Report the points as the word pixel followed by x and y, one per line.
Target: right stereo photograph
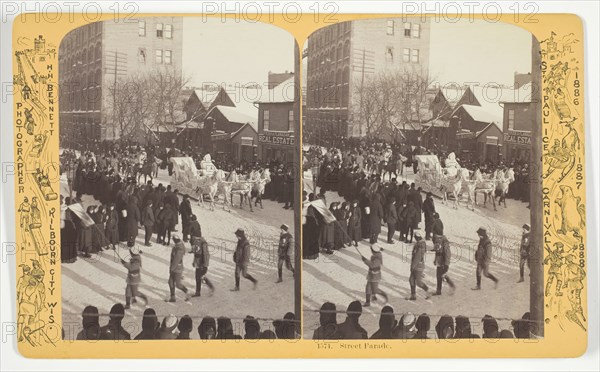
pixel 418 145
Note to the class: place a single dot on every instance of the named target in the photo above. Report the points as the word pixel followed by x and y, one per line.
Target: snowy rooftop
pixel 282 93
pixel 236 115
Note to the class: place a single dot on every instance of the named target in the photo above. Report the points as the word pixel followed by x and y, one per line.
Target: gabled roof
pixel 479 133
pixel 483 114
pixel 253 127
pixel 245 106
pixel 490 97
pixel 235 115
pixel 281 93
pixel 220 135
pixel 452 94
pixel 206 97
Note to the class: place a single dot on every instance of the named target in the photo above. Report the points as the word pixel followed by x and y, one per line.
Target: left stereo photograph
pixel 170 149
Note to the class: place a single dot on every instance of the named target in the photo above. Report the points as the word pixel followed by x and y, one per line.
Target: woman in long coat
pixel 133 219
pixel 327 233
pixel 428 210
pixel 84 237
pixel 354 223
pixel 339 231
pixel 310 235
pixel 121 208
pixel 375 218
pixel 343 213
pixel 68 235
pixel 98 237
pixel 111 230
pixel 365 206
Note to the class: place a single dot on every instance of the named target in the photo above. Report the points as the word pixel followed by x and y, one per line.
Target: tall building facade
pixel 343 56
pixel 92 58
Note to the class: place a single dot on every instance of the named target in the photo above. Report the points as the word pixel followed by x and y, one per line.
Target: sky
pixel 478 51
pixel 234 52
pixel 243 52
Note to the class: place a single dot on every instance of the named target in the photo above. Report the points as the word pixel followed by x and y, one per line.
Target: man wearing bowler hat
pixel 524 252
pixel 483 256
pixel 283 252
pixel 241 257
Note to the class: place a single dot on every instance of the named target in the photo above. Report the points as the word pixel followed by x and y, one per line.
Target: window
pixel 416 30
pixel 167 57
pixel 159 30
pixel 414 56
pixel 405 55
pixel 266 120
pixel 407 29
pixel 389 55
pixel 141 28
pixel 511 119
pixel 390 27
pixel 169 31
pixel 142 55
pixel 291 121
pixel 159 56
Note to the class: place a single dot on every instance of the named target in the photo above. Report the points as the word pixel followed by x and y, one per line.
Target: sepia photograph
pixel 421 182
pixel 178 190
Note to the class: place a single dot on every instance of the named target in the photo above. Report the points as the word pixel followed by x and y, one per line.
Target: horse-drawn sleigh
pixel 461 182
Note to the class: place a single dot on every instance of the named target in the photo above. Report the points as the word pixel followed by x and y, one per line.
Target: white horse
pixel 258 188
pixel 242 187
pixel 468 187
pixel 209 185
pixel 503 181
pixel 485 186
pixel 224 187
pixel 452 185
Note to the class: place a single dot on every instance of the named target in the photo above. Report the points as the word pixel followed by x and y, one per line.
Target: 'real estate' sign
pixel 523 138
pixel 277 138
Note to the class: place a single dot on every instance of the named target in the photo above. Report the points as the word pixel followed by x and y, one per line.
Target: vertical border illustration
pixel 35 72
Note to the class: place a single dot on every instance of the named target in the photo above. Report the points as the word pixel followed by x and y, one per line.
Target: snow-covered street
pixel 341 277
pixel 100 280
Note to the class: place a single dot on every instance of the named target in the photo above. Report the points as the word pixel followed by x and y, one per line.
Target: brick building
pixel 276 123
pixel 94 56
pixel 519 118
pixel 340 56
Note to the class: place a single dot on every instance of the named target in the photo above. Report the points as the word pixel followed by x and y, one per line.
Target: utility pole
pixel 366 65
pixel 119 68
pixel 362 85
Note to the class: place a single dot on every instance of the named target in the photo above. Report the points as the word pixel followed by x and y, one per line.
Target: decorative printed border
pixel 35 73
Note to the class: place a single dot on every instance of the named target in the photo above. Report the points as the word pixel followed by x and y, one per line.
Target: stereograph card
pixel 348 186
